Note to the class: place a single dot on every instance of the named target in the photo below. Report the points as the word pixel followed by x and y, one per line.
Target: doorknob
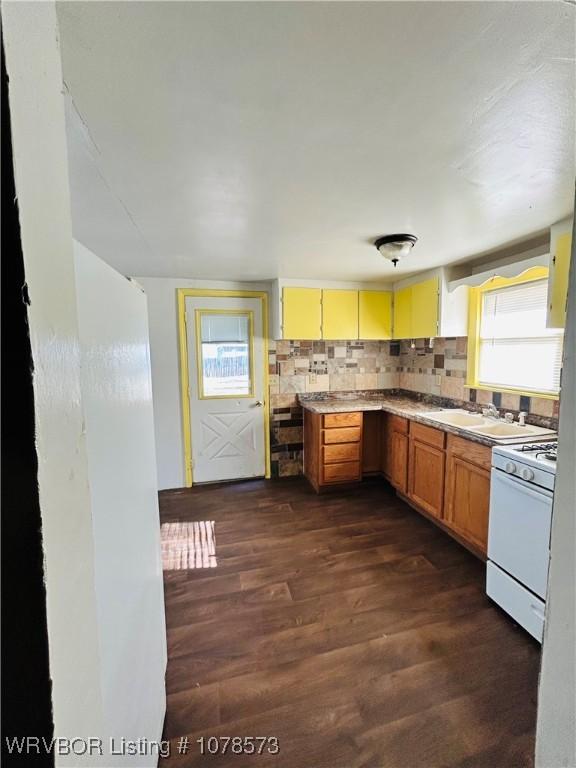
pixel 258 403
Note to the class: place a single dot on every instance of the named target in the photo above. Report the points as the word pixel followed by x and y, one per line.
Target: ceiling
pixel 250 140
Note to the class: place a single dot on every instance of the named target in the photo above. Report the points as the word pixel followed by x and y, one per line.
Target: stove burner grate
pixel 542 448
pixel 550 455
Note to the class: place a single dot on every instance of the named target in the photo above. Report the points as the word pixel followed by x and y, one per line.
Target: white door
pixel 226 388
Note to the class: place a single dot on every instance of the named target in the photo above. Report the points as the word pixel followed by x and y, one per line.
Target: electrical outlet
pixel 312 378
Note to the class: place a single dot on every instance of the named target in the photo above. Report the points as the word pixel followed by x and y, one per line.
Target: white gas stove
pixel 521 494
pixel 533 462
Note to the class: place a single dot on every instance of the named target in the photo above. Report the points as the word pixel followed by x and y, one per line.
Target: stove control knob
pixel 527 474
pixel 510 467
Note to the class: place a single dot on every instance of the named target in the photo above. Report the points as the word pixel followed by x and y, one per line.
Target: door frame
pixel 214 293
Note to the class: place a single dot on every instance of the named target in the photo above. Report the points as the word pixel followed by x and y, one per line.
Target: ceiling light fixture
pixel 395 247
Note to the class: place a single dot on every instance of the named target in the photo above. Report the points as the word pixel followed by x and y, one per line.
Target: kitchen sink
pixel 459 418
pixel 499 430
pixel 505 430
pixel 502 430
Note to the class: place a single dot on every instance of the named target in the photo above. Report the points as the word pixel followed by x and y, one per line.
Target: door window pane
pixel 225 353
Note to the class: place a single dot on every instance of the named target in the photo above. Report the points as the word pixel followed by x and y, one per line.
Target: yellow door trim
pixel 181 295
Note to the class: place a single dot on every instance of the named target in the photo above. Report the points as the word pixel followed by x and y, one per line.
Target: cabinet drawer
pixel 341 452
pixel 481 455
pixel 397 424
pixel 343 472
pixel 343 435
pixel 342 420
pixel 428 435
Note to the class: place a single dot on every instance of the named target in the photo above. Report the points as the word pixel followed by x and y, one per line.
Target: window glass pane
pixel 516 349
pixel 224 327
pixel 225 354
pixel 517 311
pixel 531 364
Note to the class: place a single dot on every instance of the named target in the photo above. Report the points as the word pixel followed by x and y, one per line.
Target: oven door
pixel 519 530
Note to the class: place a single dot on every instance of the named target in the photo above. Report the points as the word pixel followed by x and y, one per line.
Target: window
pixel 224 342
pixel 515 350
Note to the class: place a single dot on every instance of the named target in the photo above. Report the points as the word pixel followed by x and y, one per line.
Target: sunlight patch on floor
pixel 188 545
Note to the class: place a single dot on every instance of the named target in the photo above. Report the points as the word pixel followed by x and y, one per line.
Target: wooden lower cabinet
pixel 394 450
pixel 385 433
pixel 371 442
pixel 398 460
pixel 445 476
pixel 312 448
pixel 467 502
pixel 332 448
pixel 426 476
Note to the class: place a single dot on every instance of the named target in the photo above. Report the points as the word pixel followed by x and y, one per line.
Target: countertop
pixel 401 406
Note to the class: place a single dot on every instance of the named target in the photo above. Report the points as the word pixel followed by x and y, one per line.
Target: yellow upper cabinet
pixel 339 314
pixel 424 311
pixel 375 315
pixel 403 313
pixel 561 242
pixel 416 309
pixel 301 313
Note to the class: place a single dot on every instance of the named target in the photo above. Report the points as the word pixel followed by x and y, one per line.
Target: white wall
pixel 119 420
pixel 40 165
pixel 103 596
pixel 163 319
pixel 556 733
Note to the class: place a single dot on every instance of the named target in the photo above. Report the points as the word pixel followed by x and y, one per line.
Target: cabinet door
pixel 385 437
pixel 424 309
pixel 312 447
pixel 398 461
pixel 371 442
pixel 375 315
pixel 339 314
pixel 402 313
pixel 426 477
pixel 558 287
pixel 468 500
pixel 301 313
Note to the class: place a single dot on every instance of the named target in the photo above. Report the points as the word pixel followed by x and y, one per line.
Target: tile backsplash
pixel 298 367
pixel 441 370
pixel 330 366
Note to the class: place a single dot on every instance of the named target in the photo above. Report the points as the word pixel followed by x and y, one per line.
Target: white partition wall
pixel 556 730
pixel 41 174
pixel 94 432
pixel 119 422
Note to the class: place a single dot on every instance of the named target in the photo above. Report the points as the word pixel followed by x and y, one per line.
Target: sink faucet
pixel 491 412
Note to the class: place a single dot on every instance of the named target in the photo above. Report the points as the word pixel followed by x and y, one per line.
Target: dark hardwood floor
pixel 347 626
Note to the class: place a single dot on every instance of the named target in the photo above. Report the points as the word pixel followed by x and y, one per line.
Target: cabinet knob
pixel 510 467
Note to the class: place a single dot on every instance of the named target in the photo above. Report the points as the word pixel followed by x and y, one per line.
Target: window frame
pixel 474 324
pixel 249 314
